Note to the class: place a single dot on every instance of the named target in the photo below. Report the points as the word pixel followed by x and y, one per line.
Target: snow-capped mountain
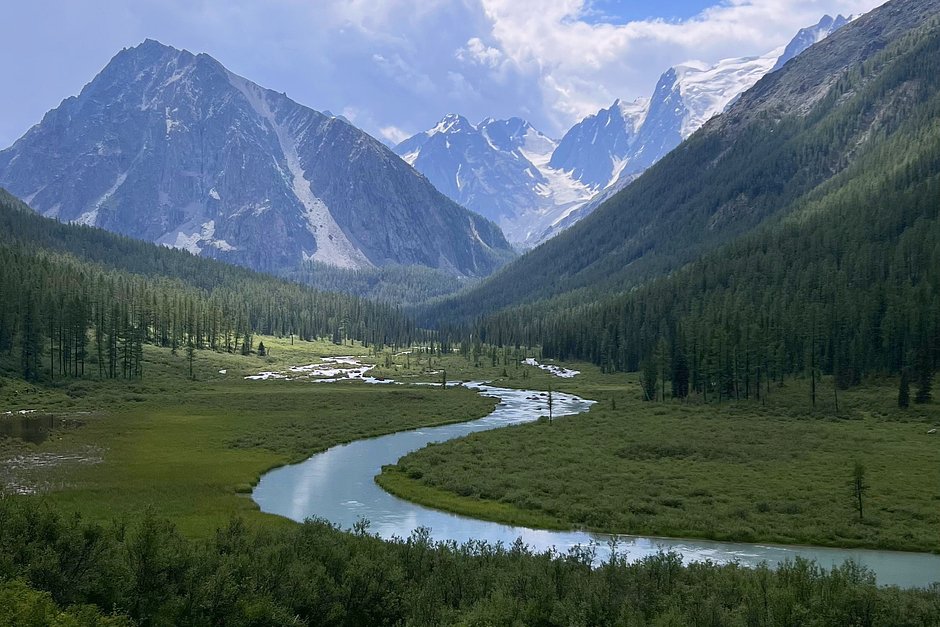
pixel 171 147
pixel 498 168
pixel 589 150
pixel 811 35
pixel 534 197
pixel 685 97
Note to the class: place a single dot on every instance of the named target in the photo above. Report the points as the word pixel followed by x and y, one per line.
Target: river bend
pixel 338 485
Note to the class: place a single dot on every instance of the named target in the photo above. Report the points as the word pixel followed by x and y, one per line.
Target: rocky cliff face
pixel 171 147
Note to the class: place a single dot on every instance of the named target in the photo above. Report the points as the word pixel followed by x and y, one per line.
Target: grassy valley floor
pixel 149 459
pixel 769 471
pixel 191 450
pixel 775 470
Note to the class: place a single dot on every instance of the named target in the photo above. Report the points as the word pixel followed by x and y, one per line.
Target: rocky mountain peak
pixel 171 147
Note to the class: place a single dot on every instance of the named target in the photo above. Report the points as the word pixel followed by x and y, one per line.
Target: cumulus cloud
pixel 397 66
pixel 405 74
pixel 393 134
pixel 583 65
pixel 478 52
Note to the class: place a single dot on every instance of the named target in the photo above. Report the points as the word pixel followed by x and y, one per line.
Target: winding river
pixel 337 485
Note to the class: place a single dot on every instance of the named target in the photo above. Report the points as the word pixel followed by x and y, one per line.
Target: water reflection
pixel 33 427
pixel 338 485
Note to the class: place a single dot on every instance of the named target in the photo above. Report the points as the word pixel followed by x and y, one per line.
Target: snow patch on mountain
pixel 411 157
pixel 333 247
pixel 195 239
pixel 90 218
pixel 706 91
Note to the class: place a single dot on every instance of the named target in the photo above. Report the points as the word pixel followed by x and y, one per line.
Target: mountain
pixel 171 147
pixel 534 187
pixel 797 136
pixel 619 143
pixel 611 155
pixel 498 168
pixel 590 149
pixel 810 36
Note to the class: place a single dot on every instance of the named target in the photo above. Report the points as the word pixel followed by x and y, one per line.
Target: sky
pixel 395 67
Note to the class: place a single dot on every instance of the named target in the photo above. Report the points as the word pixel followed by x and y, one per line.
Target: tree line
pixel 147 573
pixel 76 302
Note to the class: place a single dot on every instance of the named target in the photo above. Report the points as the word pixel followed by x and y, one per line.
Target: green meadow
pixel 191 450
pixel 775 470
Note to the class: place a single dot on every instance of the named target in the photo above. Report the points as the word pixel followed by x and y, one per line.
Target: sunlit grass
pixel 191 450
pixel 775 470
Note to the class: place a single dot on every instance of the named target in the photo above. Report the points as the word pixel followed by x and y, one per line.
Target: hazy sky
pixel 395 67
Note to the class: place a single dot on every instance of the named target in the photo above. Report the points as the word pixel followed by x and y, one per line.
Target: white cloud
pixel 394 134
pixel 478 52
pixel 461 88
pixel 405 74
pixel 583 66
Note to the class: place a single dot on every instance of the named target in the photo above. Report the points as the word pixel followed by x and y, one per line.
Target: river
pixel 338 485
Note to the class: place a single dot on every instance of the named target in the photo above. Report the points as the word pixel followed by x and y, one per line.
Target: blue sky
pixel 395 67
pixel 620 12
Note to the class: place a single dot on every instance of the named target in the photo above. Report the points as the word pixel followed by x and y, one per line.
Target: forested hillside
pixel 405 285
pixel 769 154
pixel 844 280
pixel 77 301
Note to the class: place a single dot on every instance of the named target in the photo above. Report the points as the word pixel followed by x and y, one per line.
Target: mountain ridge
pixel 599 155
pixel 172 147
pixel 784 138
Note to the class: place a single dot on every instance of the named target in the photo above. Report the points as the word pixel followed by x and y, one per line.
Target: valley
pixel 673 363
pixel 773 470
pixel 192 448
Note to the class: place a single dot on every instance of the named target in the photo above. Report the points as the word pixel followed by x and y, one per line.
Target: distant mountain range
pixel 500 169
pixel 534 187
pixel 810 153
pixel 171 147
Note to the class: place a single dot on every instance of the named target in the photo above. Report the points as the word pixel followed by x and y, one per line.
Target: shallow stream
pixel 338 485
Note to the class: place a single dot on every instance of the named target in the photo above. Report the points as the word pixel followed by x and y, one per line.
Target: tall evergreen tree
pixel 904 390
pixel 649 379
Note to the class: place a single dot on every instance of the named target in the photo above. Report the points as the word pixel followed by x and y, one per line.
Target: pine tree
pixel 31 340
pixel 904 390
pixel 859 488
pixel 190 357
pixel 680 375
pixel 649 379
pixel 924 385
pixel 924 376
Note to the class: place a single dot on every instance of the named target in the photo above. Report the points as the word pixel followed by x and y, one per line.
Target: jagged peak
pixel 631 108
pixel 452 123
pixel 148 53
pixel 149 43
pixel 513 125
pixel 153 47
